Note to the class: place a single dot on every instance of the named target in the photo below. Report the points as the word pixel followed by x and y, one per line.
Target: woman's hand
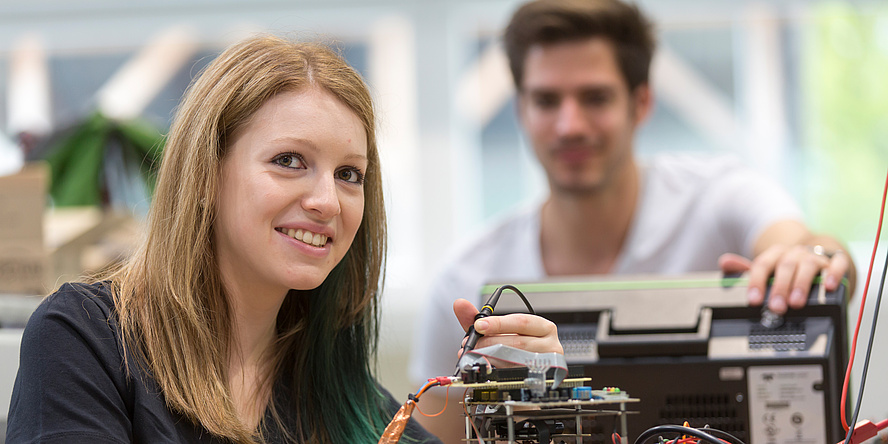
pixel 520 330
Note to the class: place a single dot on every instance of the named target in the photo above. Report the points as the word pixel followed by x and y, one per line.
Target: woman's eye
pixel 351 175
pixel 288 160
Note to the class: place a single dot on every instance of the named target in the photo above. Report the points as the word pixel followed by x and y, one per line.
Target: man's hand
pixel 794 268
pixel 525 331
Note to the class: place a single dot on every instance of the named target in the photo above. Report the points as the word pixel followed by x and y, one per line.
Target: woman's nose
pixel 322 198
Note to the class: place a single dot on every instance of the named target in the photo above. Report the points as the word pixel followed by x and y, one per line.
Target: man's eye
pixel 351 175
pixel 596 99
pixel 545 101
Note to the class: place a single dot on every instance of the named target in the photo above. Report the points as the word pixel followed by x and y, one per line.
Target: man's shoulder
pixel 698 175
pixel 690 166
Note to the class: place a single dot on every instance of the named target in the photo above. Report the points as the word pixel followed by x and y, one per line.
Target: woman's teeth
pixel 318 240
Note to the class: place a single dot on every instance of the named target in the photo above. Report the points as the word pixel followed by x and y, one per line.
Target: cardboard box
pixel 85 240
pixel 23 269
pixel 22 201
pixel 41 248
pixel 23 262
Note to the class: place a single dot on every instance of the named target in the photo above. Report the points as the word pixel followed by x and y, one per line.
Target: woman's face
pixel 292 194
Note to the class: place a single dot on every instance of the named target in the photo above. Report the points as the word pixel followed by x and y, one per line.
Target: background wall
pixel 794 88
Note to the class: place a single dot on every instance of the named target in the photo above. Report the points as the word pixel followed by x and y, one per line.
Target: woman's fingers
pixel 523 331
pixel 519 330
pixel 465 312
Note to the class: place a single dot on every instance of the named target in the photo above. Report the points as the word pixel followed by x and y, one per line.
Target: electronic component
pixel 530 404
pixel 865 430
pixel 689 346
pixel 529 400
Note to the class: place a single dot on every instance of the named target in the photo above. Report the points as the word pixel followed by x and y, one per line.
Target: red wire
pixel 691 439
pixel 860 314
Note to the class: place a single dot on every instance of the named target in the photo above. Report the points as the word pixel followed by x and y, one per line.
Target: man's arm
pixel 794 256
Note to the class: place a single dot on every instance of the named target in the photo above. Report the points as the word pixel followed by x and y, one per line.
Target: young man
pixel 581 71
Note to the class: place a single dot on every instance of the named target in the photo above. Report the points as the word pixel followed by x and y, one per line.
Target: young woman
pixel 249 311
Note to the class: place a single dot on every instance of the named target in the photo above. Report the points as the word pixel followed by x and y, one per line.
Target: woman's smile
pixel 305 236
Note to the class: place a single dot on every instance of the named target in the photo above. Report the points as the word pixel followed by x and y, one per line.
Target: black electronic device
pixel 691 349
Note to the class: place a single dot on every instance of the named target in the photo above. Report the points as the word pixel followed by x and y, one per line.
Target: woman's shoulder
pixel 86 295
pixel 80 305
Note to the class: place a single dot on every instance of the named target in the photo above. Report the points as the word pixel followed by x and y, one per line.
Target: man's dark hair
pixel 546 22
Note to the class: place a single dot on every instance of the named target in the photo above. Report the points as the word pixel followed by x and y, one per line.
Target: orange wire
pixel 860 315
pixel 423 390
pixel 466 409
pixel 446 399
pixel 427 386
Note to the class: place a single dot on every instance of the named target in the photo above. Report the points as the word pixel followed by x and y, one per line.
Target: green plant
pixel 77 158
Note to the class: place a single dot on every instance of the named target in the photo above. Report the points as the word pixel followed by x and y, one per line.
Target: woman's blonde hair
pixel 171 306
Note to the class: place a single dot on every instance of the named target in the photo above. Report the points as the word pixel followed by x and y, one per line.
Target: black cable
pixel 869 350
pixel 494 298
pixel 723 435
pixel 681 430
pixel 472 336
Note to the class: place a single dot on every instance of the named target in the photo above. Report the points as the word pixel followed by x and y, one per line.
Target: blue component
pixel 582 393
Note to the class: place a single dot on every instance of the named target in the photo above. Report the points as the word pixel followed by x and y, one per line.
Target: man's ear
pixel 643 101
pixel 520 103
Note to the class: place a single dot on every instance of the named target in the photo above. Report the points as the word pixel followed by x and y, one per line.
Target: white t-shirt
pixel 691 210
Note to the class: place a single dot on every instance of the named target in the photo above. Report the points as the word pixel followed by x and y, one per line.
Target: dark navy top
pixel 71 385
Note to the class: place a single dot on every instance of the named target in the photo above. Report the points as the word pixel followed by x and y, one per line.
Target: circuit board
pixel 509 412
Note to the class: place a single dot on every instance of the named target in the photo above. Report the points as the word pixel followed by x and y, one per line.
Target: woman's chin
pixel 306 283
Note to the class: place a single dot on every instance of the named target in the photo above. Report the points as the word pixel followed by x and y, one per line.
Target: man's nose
pixel 571 120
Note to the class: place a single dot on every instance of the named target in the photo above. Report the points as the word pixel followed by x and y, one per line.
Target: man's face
pixel 579 114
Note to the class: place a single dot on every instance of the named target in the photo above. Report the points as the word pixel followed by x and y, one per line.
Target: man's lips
pixel 574 154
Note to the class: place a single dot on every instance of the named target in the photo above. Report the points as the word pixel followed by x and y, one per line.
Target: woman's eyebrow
pixel 309 144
